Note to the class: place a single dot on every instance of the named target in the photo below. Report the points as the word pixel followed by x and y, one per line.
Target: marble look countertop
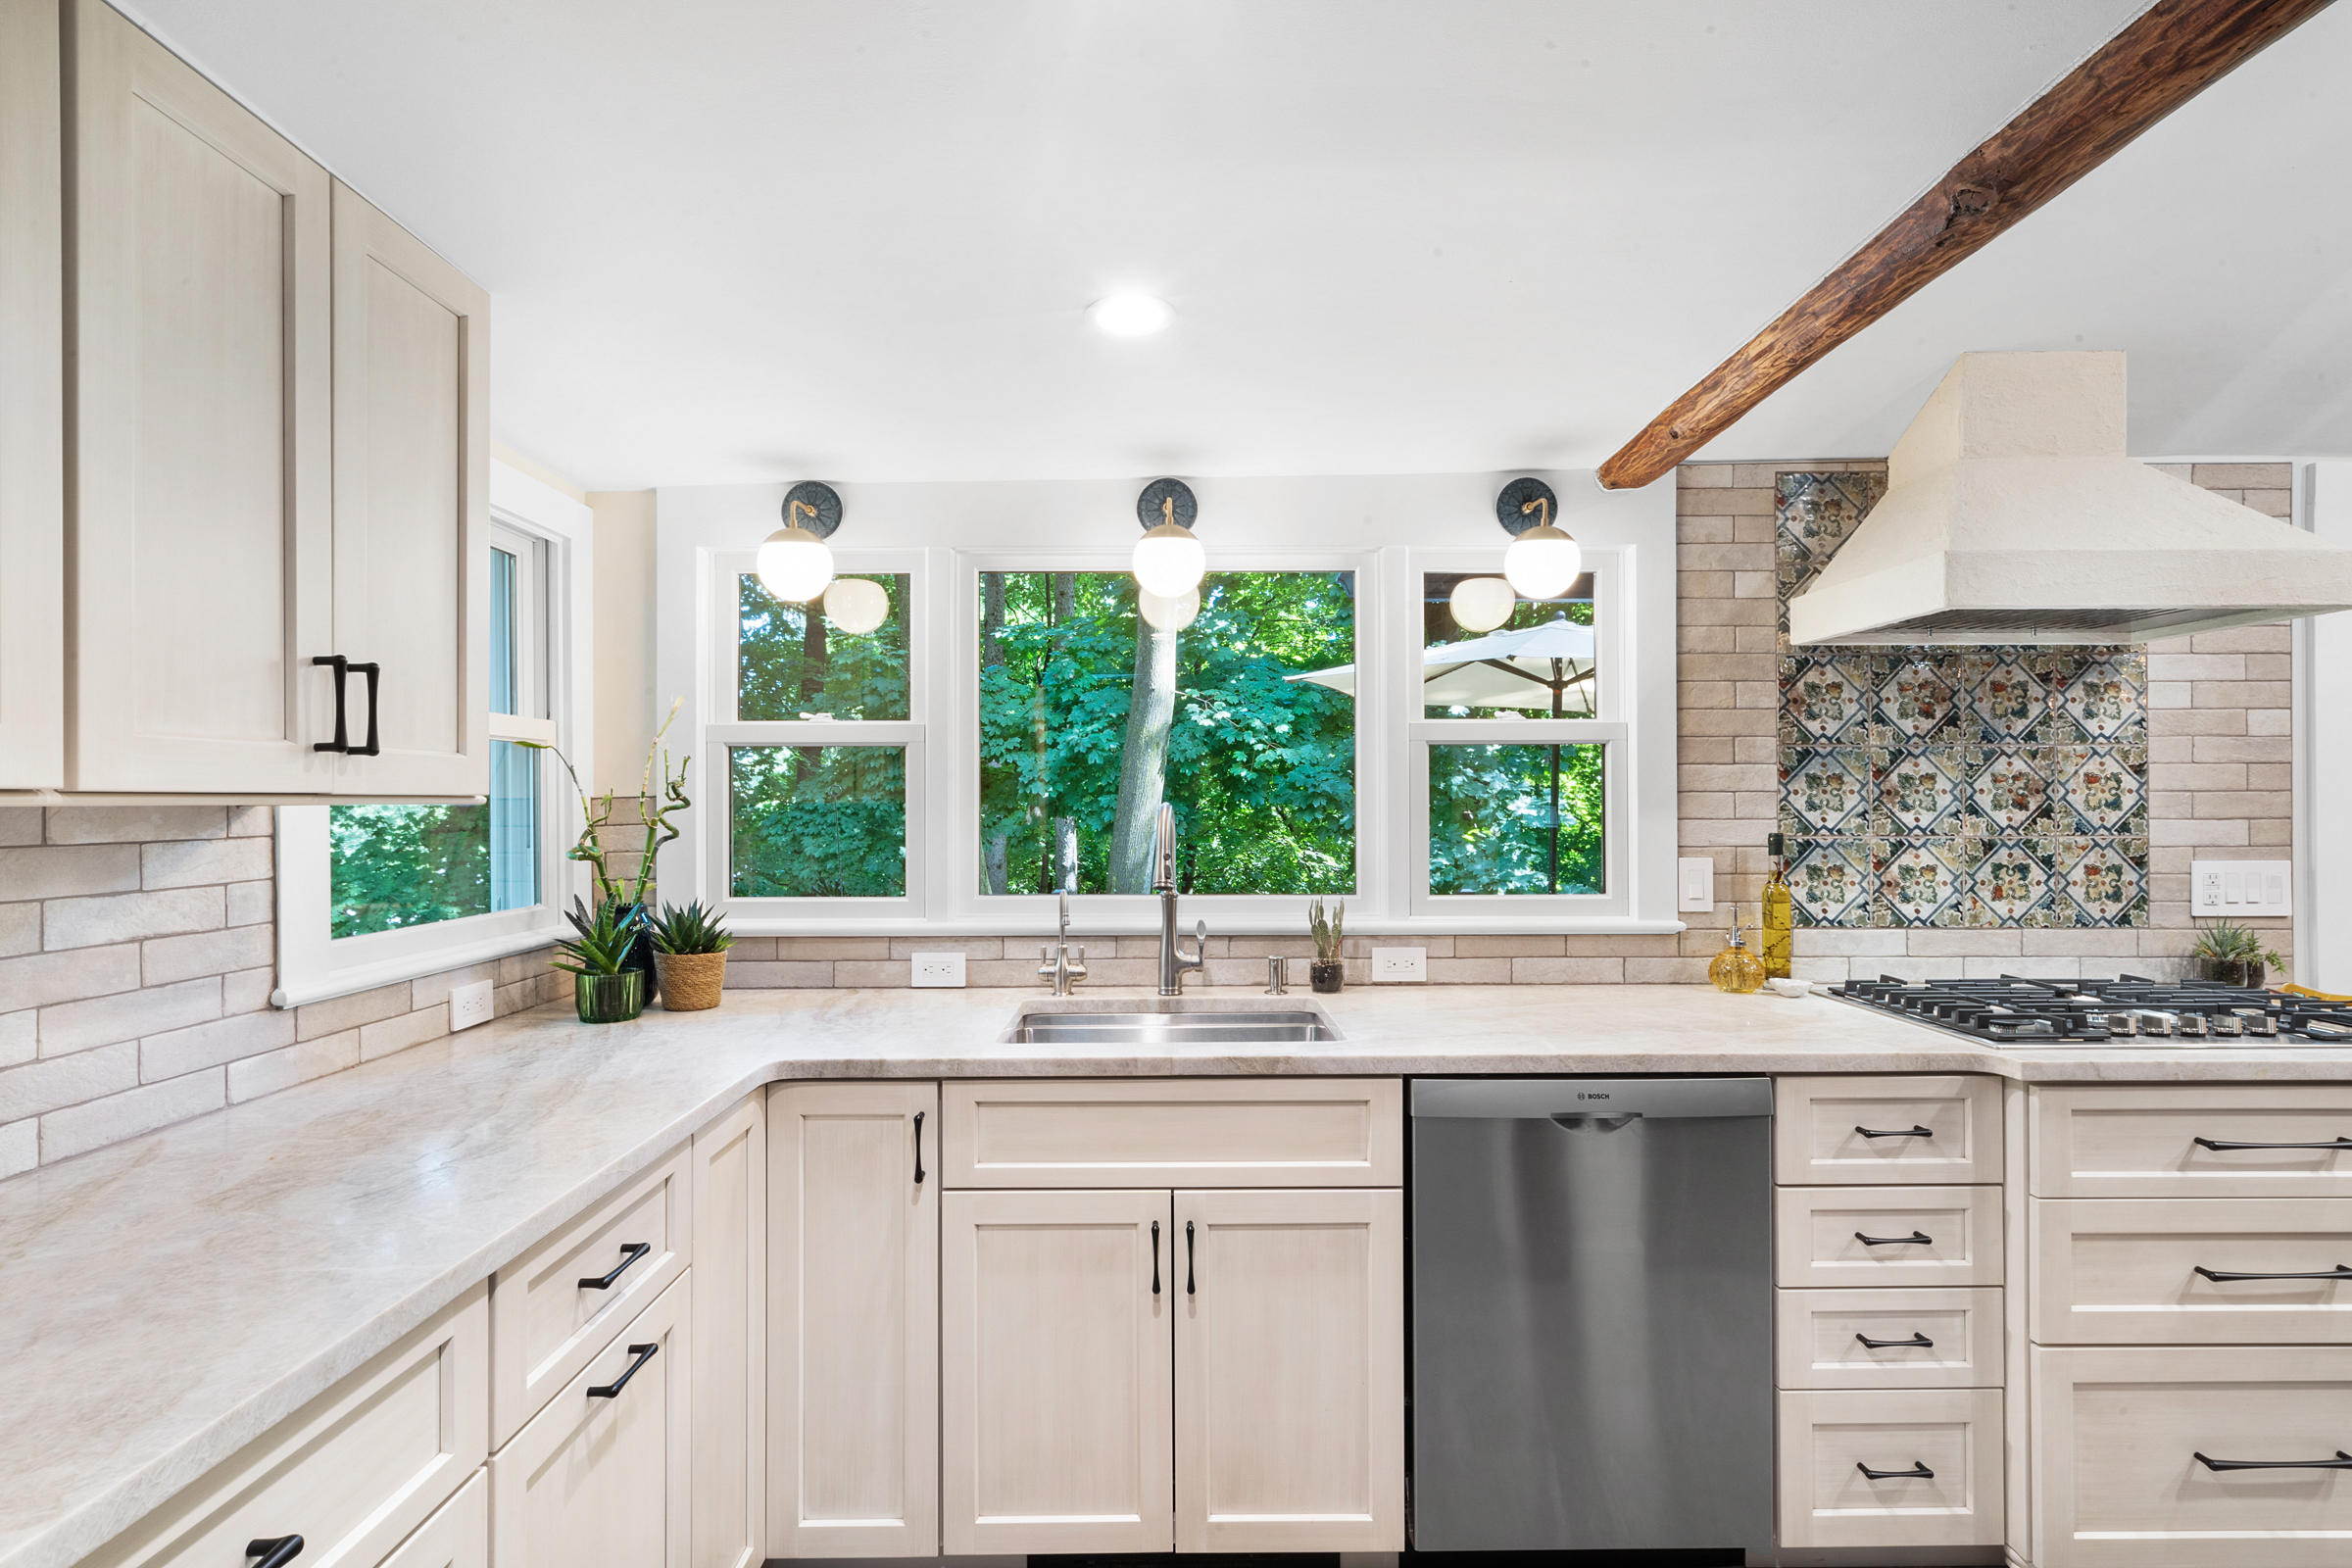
pixel 166 1301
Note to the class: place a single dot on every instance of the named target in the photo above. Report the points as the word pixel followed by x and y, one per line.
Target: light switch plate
pixel 1400 964
pixel 1695 884
pixel 2237 890
pixel 938 969
pixel 470 1005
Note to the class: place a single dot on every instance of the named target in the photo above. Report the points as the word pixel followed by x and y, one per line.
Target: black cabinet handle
pixel 2224 1142
pixel 1917 1469
pixel 2339 1272
pixel 2342 1461
pixel 1155 1257
pixel 629 1253
pixel 371 671
pixel 1915 1239
pixel 1187 1257
pixel 275 1551
pixel 342 740
pixel 1916 1339
pixel 611 1390
pixel 1913 1131
pixel 918 1149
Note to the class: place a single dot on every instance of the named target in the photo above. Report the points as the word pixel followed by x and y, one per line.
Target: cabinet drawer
pixel 457 1536
pixel 2123 1271
pixel 2141 1141
pixel 545 1324
pixel 1945 1131
pixel 2117 1435
pixel 1821 1335
pixel 353 1471
pixel 1199 1132
pixel 1830 1436
pixel 1821 1231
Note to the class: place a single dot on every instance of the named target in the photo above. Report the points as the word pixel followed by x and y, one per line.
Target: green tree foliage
pixel 819 822
pixel 790 661
pixel 1490 819
pixel 402 865
pixel 1261 770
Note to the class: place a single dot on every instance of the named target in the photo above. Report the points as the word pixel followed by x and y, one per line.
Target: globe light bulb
pixel 857 605
pixel 794 566
pixel 1169 561
pixel 1129 314
pixel 1542 563
pixel 1482 604
pixel 1169 613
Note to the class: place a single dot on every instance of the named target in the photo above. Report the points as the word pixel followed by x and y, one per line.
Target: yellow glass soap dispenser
pixel 1736 969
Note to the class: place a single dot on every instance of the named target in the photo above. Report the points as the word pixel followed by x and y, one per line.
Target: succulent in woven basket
pixel 690 950
pixel 690 929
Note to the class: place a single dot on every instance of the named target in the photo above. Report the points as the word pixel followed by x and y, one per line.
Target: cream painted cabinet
pixel 853 1310
pixel 32 494
pixel 1290 1370
pixel 1055 1314
pixel 457 1536
pixel 730 1338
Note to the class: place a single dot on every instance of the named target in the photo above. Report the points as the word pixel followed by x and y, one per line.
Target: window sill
pixel 1040 919
pixel 349 981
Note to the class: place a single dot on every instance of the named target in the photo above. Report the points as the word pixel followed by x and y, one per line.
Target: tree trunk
pixel 1066 596
pixel 993 866
pixel 812 667
pixel 992 619
pixel 1143 770
pixel 1065 854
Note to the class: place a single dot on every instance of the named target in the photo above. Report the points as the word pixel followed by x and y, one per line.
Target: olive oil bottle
pixel 1778 917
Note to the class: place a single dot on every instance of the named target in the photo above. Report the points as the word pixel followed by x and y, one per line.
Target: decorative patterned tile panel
pixel 1969 787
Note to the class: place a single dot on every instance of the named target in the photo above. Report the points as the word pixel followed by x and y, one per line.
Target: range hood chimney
pixel 2011 515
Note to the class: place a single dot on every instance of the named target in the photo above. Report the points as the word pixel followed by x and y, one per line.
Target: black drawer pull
pixel 2339 1272
pixel 918 1149
pixel 1916 1339
pixel 1917 1471
pixel 1187 1257
pixel 371 671
pixel 342 740
pixel 1915 1131
pixel 629 1253
pixel 275 1551
pixel 2342 1461
pixel 1915 1239
pixel 1155 1257
pixel 2224 1142
pixel 611 1390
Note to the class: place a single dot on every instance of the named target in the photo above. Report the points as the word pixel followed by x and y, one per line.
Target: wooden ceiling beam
pixel 2168 55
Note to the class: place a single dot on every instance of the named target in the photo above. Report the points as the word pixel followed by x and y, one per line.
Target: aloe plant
pixel 2230 943
pixel 692 929
pixel 1327 931
pixel 600 941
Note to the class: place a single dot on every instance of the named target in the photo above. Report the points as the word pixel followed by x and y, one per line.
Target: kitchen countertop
pixel 169 1298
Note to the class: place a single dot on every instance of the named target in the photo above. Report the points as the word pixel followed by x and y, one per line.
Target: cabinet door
pixel 730 1338
pixel 200 547
pixel 32 494
pixel 854 1320
pixel 411 506
pixel 1055 1310
pixel 599 1478
pixel 457 1536
pixel 1290 1370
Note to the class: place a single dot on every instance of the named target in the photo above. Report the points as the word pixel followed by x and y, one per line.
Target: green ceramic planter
pixel 608 998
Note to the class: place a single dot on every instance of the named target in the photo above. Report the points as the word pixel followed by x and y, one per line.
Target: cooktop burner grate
pixel 2130 1011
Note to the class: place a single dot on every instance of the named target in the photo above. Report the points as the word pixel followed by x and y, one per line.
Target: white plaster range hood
pixel 2011 515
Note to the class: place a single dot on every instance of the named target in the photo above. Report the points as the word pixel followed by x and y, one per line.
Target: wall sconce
pixel 1169 560
pixel 857 605
pixel 1543 562
pixel 795 563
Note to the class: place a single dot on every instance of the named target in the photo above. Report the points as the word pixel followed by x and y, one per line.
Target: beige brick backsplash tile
pixel 432 990
pixel 1508 947
pixel 1704 475
pixel 38 1086
pixel 2280 830
pixel 1757 639
pixel 2196 775
pixel 970 947
pixel 2179 645
pixel 209 1045
pixel 1702 528
pixel 83 1128
pixel 2237 749
pixel 1761 804
pixel 250 903
pixel 19 929
pixel 1690 640
pixel 1727 667
pixel 1595 971
pixel 2274 667
pixel 273 1070
pixel 2168 887
pixel 1825 969
pixel 2241 693
pixel 1712 807
pixel 1754 585
pixel 2268 721
pixel 2270 775
pixel 19 1036
pixel 1756 748
pixel 1715 776
pixel 56 871
pixel 1469 971
pixel 2196 667
pixel 878 974
pixel 251 821
pixel 1690 585
pixel 754 950
pixel 70 1026
pixel 1762 529
pixel 2278 503
pixel 2197 722
pixel 19 1147
pixel 2093 943
pixel 315 1020
pixel 1703 694
pixel 779 976
pixel 2162 830
pixel 2270 639
pixel 1240 974
pixel 1701 835
pixel 2170 802
pixel 1259 948
pixel 379 1040
pixel 516 997
pixel 836 947
pixel 1606 947
pixel 2242 475
pixel 518 967
pixel 1707 940
pixel 2174 748
pixel 2248 804
pixel 130 916
pixel 193 862
pixel 2044 967
pixel 1708 751
pixel 1824 942
pixel 39 978
pixel 1726 557
pixel 1725 501
pixel 2172 693
pixel 1928 942
pixel 247 991
pixel 19 825
pixel 165 959
pixel 134 825
pixel 1665 971
pixel 1932 966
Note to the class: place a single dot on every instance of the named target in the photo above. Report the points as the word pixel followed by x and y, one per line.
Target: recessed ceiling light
pixel 1130 315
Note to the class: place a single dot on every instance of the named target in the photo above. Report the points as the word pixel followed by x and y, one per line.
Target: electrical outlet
pixel 939 968
pixel 2230 890
pixel 1694 879
pixel 470 1005
pixel 1399 965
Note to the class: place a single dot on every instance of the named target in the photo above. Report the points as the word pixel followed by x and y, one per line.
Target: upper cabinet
pixel 275 548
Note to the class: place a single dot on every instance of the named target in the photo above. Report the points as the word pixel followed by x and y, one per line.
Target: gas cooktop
pixel 2130 1011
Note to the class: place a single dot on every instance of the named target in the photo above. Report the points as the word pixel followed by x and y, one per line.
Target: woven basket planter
pixel 691 981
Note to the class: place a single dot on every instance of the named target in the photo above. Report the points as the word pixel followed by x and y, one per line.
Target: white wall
pixel 2323 760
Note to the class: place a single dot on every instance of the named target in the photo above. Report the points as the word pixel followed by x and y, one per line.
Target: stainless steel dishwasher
pixel 1592 1314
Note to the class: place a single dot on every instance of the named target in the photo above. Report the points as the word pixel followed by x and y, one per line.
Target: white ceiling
pixel 742 240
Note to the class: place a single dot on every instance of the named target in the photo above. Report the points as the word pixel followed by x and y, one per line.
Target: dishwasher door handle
pixel 1915 1239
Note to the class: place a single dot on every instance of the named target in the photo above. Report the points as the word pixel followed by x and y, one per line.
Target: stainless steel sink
pixel 1169 1028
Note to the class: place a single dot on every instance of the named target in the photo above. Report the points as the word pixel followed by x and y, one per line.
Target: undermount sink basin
pixel 1169 1028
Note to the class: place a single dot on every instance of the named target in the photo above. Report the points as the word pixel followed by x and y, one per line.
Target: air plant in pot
pixel 604 989
pixel 1326 973
pixel 2233 955
pixel 690 950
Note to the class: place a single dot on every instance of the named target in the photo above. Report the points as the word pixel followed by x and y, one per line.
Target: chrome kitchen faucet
pixel 1058 965
pixel 1172 960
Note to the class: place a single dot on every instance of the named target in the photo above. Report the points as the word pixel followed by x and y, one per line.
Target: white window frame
pixel 311 965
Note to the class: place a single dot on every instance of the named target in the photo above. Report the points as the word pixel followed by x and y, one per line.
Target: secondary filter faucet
pixel 1173 961
pixel 1058 966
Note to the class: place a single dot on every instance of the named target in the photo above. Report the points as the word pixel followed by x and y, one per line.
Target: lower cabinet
pixel 599 1478
pixel 730 1338
pixel 457 1536
pixel 1891 1467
